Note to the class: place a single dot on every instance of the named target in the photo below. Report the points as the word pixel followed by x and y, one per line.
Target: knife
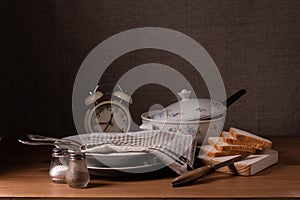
pixel 195 174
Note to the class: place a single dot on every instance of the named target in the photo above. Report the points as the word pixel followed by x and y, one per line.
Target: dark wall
pixel 255 45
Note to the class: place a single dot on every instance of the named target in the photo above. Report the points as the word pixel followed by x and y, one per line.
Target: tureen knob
pixel 184 94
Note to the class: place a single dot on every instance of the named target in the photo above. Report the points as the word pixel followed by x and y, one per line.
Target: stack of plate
pixel 113 164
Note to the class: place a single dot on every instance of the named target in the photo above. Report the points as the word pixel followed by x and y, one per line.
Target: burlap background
pixel 255 44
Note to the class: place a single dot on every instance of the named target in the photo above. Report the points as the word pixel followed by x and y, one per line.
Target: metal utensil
pixel 233 98
pixel 36 143
pixel 228 102
pixel 201 172
pixel 42 138
pixel 66 144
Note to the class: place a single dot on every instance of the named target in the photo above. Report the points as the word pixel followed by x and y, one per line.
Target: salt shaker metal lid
pixel 59 152
pixel 76 155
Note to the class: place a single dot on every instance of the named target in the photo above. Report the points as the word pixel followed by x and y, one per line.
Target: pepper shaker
pixel 78 174
pixel 59 165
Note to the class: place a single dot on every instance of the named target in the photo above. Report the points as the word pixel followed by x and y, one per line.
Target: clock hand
pixel 111 118
pixel 102 122
pixel 106 127
pixel 109 122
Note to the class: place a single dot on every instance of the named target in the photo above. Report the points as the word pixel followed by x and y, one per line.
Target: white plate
pixel 120 159
pixel 114 160
pixel 120 171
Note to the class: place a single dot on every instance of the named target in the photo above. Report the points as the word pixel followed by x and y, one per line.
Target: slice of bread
pixel 251 138
pixel 212 152
pixel 220 145
pixel 228 138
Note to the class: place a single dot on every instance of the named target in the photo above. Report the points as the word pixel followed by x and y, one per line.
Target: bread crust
pixel 240 141
pixel 212 152
pixel 230 147
pixel 260 143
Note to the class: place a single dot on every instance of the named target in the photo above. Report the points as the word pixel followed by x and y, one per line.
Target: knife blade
pixel 201 172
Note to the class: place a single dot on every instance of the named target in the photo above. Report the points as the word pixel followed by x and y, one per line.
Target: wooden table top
pixel 24 173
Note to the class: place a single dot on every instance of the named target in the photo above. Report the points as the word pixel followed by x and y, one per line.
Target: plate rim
pixel 128 168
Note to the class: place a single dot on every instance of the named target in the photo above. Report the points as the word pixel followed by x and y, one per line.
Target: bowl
pixel 199 129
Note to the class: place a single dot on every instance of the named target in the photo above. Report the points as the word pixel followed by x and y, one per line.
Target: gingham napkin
pixel 175 150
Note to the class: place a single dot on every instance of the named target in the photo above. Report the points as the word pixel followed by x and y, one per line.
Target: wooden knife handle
pixel 192 175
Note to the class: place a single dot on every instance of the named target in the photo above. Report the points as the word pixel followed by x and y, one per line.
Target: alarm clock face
pixel 109 116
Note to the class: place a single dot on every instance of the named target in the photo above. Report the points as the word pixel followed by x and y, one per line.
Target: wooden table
pixel 24 173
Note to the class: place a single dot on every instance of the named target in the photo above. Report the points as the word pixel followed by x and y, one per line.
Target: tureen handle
pixel 184 94
pixel 146 127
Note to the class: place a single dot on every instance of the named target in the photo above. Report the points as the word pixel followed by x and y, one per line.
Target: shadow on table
pixel 122 176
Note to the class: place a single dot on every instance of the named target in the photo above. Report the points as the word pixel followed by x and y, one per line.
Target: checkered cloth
pixel 175 150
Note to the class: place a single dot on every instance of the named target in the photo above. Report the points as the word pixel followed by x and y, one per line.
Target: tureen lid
pixel 190 109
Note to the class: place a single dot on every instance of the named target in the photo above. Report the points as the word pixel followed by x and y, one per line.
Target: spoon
pixel 33 143
pixel 42 138
pixel 82 147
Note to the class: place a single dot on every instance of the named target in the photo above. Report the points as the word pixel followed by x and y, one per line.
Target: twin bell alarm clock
pixel 108 115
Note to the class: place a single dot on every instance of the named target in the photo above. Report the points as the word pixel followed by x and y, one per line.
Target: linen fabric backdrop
pixel 255 45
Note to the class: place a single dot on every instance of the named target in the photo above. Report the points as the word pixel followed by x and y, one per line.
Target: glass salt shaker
pixel 78 174
pixel 59 165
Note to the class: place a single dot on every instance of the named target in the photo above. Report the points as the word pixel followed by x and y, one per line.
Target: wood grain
pixel 25 174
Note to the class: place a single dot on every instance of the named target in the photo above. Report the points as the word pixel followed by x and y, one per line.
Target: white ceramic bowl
pixel 188 109
pixel 199 129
